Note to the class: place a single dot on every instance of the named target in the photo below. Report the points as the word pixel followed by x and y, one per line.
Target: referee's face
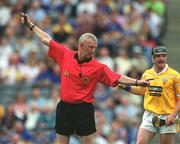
pixel 87 48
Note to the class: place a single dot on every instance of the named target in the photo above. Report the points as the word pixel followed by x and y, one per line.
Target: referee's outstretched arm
pixel 43 36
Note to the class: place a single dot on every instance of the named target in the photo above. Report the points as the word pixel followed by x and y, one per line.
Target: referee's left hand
pixel 144 83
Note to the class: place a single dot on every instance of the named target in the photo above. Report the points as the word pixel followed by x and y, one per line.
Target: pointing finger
pixel 149 79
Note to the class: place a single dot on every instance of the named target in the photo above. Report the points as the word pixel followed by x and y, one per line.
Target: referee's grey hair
pixel 86 36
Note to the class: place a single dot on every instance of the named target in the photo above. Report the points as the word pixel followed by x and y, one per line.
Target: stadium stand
pixel 127 30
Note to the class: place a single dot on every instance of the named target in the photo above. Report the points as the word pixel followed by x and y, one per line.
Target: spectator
pixel 105 58
pixel 9 118
pixel 20 106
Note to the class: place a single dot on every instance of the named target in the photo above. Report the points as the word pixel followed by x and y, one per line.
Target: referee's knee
pixel 62 139
pixel 87 139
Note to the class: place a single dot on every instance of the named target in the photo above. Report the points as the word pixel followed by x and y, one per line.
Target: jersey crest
pixel 85 80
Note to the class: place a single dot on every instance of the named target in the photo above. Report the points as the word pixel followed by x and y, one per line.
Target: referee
pixel 80 72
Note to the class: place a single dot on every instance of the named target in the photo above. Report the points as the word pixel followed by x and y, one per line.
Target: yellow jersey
pixel 164 90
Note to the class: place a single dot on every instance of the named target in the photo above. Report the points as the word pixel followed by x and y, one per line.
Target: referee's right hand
pixel 25 20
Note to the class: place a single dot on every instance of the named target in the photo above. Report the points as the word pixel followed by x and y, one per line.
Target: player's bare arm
pixel 133 89
pixel 43 36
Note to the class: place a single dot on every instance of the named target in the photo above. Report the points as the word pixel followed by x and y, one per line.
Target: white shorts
pixel 147 124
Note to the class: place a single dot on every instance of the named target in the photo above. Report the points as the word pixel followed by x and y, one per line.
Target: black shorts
pixel 75 118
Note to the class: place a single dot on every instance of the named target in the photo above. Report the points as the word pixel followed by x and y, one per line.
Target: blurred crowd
pixel 127 30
